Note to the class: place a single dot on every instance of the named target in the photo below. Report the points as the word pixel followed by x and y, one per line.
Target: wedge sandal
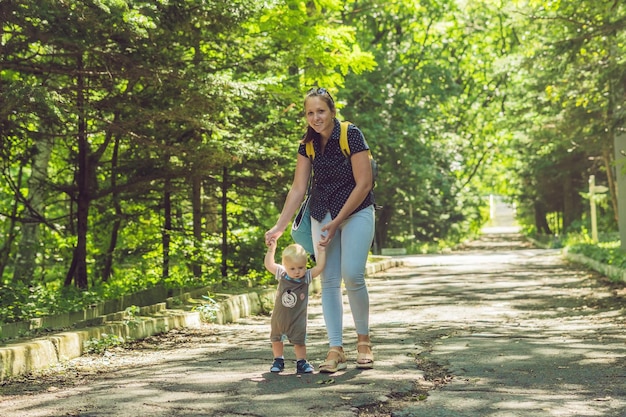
pixel 330 366
pixel 364 360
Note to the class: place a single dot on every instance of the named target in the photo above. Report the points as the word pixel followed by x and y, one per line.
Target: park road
pixel 496 329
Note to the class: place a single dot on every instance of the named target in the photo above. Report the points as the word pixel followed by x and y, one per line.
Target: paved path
pixel 499 329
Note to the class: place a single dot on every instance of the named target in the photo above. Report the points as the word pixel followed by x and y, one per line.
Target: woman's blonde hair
pixel 294 253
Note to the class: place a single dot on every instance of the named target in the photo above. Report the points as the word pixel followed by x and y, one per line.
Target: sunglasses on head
pixel 319 92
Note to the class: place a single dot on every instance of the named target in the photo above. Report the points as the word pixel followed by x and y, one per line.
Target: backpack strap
pixel 343 139
pixel 345 148
pixel 310 151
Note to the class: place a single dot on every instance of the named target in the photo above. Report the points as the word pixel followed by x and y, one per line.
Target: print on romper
pixel 289 299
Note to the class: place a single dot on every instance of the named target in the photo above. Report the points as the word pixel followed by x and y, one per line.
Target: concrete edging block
pixel 610 271
pixel 26 357
pixel 238 306
pixel 68 345
pixel 22 358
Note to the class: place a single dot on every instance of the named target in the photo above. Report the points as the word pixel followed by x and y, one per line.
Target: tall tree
pixel 428 110
pixel 566 76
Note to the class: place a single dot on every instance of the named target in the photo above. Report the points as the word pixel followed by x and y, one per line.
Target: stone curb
pixel 22 358
pixel 44 352
pixel 610 271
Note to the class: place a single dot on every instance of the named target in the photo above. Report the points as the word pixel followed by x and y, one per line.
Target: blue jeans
pixel 346 257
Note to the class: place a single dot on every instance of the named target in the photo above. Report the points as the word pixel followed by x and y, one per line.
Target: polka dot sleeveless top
pixel 333 180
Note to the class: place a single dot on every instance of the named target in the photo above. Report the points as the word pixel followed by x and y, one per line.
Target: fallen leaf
pixel 326 381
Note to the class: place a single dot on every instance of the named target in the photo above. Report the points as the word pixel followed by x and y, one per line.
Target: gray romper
pixel 289 317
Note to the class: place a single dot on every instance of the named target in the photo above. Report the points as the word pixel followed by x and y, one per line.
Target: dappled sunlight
pixel 481 334
pixel 516 324
pixel 466 398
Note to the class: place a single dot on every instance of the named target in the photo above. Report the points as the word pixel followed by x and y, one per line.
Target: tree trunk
pixel 167 225
pixel 11 233
pixel 196 203
pixel 82 209
pixel 609 166
pixel 29 242
pixel 620 173
pixel 107 269
pixel 210 210
pixel 382 225
pixel 569 203
pixel 541 223
pixel 224 222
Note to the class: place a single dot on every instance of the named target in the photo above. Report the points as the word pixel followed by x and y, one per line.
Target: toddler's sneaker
pixel 303 367
pixel 278 365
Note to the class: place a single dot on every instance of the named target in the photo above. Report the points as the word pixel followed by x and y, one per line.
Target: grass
pixel 607 250
pixel 608 253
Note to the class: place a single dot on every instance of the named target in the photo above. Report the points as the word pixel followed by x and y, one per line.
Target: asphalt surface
pixel 497 329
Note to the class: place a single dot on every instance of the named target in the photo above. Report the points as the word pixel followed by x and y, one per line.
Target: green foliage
pixel 191 117
pixel 427 115
pixel 131 319
pixel 19 302
pixel 606 251
pixel 564 101
pixel 208 309
pixel 101 345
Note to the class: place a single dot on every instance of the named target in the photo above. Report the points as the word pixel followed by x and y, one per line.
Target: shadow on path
pixel 518 332
pixel 496 329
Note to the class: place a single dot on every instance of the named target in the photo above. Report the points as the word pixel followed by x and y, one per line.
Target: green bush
pixel 609 253
pixel 208 310
pixel 104 343
pixel 21 302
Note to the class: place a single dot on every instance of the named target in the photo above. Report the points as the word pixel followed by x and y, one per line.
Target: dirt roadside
pixel 496 329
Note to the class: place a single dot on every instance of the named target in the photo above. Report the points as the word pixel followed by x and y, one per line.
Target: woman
pixel 342 220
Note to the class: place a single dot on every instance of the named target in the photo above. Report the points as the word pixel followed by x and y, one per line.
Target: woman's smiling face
pixel 319 116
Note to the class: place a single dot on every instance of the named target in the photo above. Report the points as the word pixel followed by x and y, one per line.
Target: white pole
pixel 592 201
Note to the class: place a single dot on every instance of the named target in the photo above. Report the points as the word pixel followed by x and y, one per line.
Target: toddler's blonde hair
pixel 294 253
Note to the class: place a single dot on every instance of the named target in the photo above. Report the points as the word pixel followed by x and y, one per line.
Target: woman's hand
pixel 273 234
pixel 328 232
